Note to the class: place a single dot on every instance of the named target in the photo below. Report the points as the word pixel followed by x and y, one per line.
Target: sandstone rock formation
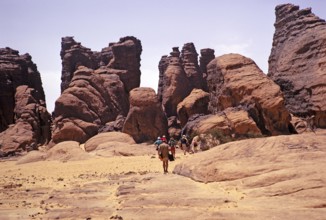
pixel 189 59
pixel 206 56
pixel 146 119
pixel 92 99
pixel 174 127
pixel 95 88
pixel 25 122
pixel 236 81
pixel 64 151
pixel 228 125
pixel 95 141
pixel 179 75
pixel 195 103
pixel 297 61
pixel 123 58
pixel 175 84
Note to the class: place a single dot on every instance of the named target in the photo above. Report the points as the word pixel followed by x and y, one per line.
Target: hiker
pixel 163 153
pixel 158 142
pixel 172 144
pixel 194 144
pixel 164 139
pixel 184 144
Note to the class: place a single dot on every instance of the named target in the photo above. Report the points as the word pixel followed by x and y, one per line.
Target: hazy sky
pixel 227 26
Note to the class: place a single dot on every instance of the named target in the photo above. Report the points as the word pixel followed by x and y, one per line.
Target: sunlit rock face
pixel 146 119
pixel 297 62
pixel 236 81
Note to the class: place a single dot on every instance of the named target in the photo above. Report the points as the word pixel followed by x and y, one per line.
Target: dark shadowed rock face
pixel 298 63
pixel 123 56
pixel 93 99
pixel 174 126
pixel 179 75
pixel 73 55
pixel 25 122
pixel 236 81
pixel 146 119
pixel 206 56
pixel 189 58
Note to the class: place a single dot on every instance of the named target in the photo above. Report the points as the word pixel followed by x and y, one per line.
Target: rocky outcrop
pixel 74 55
pixel 206 56
pixel 95 88
pixel 105 137
pixel 93 99
pixel 179 75
pixel 25 122
pixel 195 103
pixel 236 81
pixel 228 125
pixel 189 59
pixel 297 61
pixel 174 126
pixel 146 119
pixel 123 57
pixel 175 84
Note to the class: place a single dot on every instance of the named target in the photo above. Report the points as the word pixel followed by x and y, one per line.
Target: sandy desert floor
pixel 134 187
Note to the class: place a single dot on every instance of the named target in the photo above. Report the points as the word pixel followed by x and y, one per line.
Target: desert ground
pixel 237 180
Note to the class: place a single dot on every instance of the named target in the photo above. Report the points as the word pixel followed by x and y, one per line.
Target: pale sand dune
pixel 134 187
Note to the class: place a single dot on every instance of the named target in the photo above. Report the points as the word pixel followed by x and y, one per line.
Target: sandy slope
pixel 134 187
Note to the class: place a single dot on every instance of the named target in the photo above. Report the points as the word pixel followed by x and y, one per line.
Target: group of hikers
pixel 166 149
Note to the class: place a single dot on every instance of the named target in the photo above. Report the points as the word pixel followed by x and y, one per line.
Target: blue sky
pixel 227 26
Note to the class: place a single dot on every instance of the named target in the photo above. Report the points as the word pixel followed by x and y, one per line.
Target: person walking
pixel 164 138
pixel 194 144
pixel 172 144
pixel 184 144
pixel 157 143
pixel 163 153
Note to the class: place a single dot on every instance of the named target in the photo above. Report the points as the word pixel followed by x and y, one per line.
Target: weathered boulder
pixel 195 103
pixel 24 120
pixel 228 125
pixel 92 99
pixel 64 151
pixel 244 160
pixel 122 57
pixel 297 61
pixel 174 127
pixel 236 81
pixel 18 137
pixel 146 119
pixel 116 125
pixel 105 137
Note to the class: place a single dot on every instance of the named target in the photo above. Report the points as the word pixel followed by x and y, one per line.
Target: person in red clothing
pixel 164 139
